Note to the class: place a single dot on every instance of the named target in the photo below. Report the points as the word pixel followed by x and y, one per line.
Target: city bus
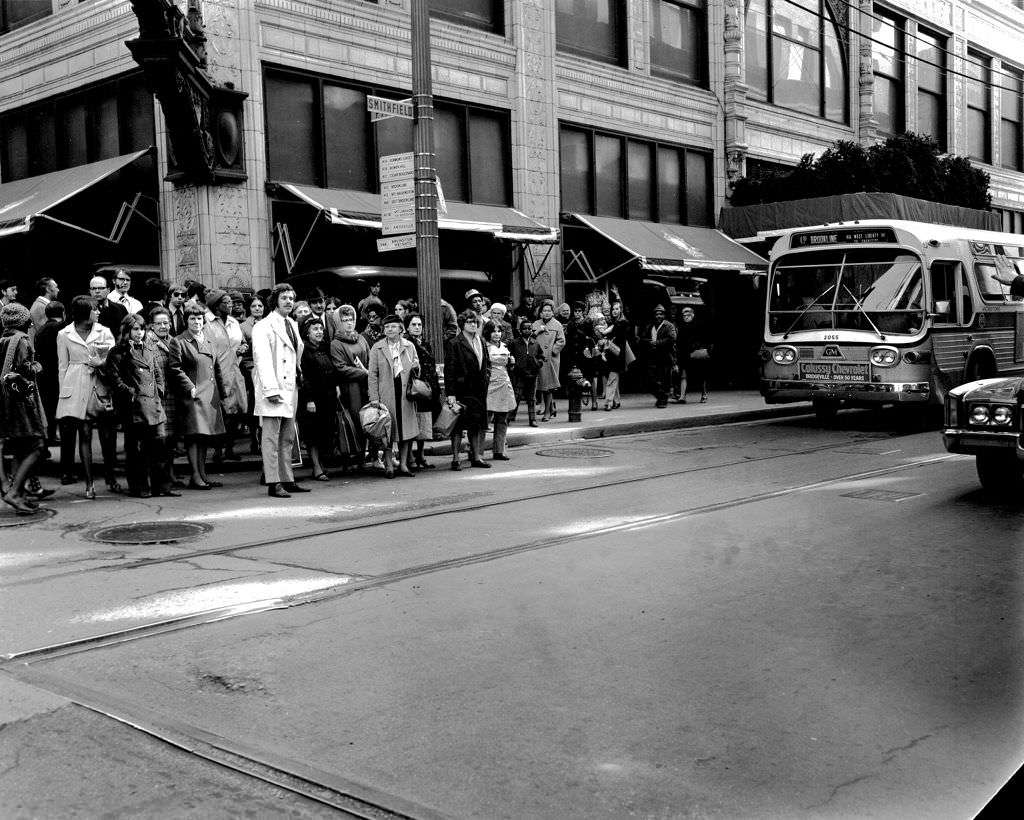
pixel 877 312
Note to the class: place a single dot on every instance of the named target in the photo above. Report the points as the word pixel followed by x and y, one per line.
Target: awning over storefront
pixel 358 209
pixel 24 201
pixel 658 247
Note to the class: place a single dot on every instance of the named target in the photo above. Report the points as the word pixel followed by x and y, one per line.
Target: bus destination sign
pixel 843 236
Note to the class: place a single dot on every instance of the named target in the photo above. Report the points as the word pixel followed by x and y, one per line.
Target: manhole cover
pixel 150 532
pixel 13 520
pixel 576 452
pixel 881 495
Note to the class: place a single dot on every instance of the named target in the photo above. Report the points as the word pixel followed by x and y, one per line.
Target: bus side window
pixel 991 290
pixel 967 307
pixel 943 282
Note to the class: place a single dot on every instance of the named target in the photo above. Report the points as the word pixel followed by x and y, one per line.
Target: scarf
pixel 351 337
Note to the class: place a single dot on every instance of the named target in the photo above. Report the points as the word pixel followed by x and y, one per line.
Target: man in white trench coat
pixel 276 352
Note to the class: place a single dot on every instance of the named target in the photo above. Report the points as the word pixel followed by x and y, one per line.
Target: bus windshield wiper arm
pixel 857 303
pixel 807 307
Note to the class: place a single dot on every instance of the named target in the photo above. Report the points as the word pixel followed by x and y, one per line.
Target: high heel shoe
pixel 90 492
pixel 406 473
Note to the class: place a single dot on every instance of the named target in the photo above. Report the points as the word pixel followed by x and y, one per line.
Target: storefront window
pixel 291 129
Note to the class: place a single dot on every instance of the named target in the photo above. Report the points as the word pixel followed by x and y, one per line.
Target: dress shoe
pixel 500 457
pixel 143 494
pixel 214 483
pixel 456 467
pixel 40 494
pixel 192 485
pixel 406 473
pixel 478 463
pixel 534 424
pixel 292 487
pixel 68 479
pixel 277 491
pixel 167 492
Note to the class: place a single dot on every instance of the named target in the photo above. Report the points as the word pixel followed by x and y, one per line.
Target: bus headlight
pixel 784 355
pixel 979 414
pixel 884 356
pixel 1002 415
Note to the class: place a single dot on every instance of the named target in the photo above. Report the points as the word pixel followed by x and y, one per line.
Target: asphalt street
pixel 771 619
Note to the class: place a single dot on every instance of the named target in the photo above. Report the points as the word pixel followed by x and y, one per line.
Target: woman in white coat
pixel 276 352
pixel 82 348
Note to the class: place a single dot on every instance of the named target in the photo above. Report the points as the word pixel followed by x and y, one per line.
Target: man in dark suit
pixel 176 296
pixel 659 340
pixel 111 313
pixel 467 371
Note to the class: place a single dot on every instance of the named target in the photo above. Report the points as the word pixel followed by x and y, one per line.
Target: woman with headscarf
pixel 82 348
pixel 350 355
pixel 426 411
pixel 393 361
pixel 22 426
pixel 200 385
pixel 318 395
pixel 549 334
pixel 137 385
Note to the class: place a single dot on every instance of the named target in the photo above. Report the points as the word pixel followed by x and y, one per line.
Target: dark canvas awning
pixel 359 209
pixel 24 201
pixel 672 248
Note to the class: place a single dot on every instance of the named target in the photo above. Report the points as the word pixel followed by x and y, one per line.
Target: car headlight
pixel 979 414
pixel 784 355
pixel 1002 415
pixel 884 356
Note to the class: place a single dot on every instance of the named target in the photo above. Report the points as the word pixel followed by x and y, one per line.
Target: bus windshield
pixel 879 291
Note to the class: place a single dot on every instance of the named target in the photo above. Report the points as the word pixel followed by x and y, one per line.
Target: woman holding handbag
pixel 550 335
pixel 427 410
pixel 501 400
pixel 350 354
pixel 393 362
pixel 318 395
pixel 615 355
pixel 82 348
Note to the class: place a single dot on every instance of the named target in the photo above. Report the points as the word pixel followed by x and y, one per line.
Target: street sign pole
pixel 428 269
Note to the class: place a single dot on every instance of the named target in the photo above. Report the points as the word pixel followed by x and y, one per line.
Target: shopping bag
pixel 447 420
pixel 630 356
pixel 348 441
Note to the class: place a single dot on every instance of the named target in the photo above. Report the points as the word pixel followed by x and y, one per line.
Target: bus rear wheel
pixel 825 409
pixel 1000 473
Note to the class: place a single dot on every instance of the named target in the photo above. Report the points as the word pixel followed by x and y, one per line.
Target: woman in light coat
pixel 549 334
pixel 200 386
pixel 82 348
pixel 393 361
pixel 350 354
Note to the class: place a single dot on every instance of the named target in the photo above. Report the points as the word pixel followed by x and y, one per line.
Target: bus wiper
pixel 807 307
pixel 859 304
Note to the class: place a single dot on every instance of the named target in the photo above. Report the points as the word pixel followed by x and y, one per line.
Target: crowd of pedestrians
pixel 192 371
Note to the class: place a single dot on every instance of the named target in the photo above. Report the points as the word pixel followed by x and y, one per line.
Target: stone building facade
pixel 611 83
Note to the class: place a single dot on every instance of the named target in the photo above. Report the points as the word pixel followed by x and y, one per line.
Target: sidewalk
pixel 636 415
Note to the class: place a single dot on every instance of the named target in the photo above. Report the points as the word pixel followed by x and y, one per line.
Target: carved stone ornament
pixel 204 120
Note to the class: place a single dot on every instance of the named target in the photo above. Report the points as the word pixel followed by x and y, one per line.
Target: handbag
pixel 14 384
pixel 100 403
pixel 418 389
pixel 448 419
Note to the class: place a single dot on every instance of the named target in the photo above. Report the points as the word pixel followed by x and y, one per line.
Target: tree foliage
pixel 907 164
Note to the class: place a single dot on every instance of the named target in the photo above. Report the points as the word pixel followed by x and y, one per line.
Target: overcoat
pixel 466 379
pixel 381 386
pixel 195 365
pixel 352 377
pixel 137 384
pixel 20 419
pixel 171 401
pixel 551 338
pixel 219 332
pixel 77 377
pixel 275 365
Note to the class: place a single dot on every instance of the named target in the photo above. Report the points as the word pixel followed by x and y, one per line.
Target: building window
pixel 488 15
pixel 15 13
pixel 319 133
pixel 592 28
pixel 1011 113
pixel 610 175
pixel 978 69
pixel 106 120
pixel 1013 221
pixel 795 58
pixel 930 51
pixel 678 40
pixel 887 62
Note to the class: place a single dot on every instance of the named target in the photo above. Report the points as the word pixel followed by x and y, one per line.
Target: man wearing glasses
pixel 176 297
pixel 122 282
pixel 111 313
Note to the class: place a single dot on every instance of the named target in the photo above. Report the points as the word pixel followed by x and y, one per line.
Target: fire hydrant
pixel 575 389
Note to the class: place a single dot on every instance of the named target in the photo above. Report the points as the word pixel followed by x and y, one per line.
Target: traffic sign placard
pixel 396 166
pixel 381 108
pixel 396 243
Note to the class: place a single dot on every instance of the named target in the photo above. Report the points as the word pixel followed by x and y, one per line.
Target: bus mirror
pixel 941 307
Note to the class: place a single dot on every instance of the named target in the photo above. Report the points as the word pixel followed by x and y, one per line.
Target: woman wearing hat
pixel 350 354
pixel 393 361
pixel 21 415
pixel 225 334
pixel 426 411
pixel 467 372
pixel 318 395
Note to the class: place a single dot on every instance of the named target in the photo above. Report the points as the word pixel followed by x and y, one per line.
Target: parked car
pixel 983 419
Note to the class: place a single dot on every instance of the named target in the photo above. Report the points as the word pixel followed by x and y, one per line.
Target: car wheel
pixel 1000 473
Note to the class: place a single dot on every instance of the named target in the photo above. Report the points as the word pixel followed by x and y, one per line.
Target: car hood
pixel 1001 389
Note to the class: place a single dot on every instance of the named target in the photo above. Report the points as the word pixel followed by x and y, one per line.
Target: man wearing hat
pixel 527 308
pixel 659 341
pixel 475 303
